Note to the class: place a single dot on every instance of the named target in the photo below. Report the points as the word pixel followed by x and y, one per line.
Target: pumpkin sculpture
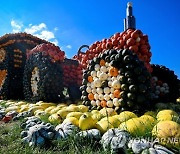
pixel 13 48
pixel 47 73
pixel 164 84
pixel 116 79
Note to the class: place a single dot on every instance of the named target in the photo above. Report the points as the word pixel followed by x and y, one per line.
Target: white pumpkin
pixel 106 90
pixel 111 96
pixel 101 97
pixel 93 103
pixel 103 76
pixel 88 90
pixel 116 84
pixel 94 90
pixel 98 73
pixel 96 96
pixel 92 85
pixel 116 102
pixel 99 90
pixel 112 90
pixel 103 69
pixel 118 77
pixel 98 103
pixel 88 84
pixel 106 97
pixel 93 73
pixel 97 83
pixel 107 64
pixel 110 83
pixel 97 67
pixel 109 103
pixel 114 78
pixel 109 75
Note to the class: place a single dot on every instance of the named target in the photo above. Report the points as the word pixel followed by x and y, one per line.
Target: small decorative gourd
pixel 115 139
pixel 92 134
pixel 65 129
pixel 39 134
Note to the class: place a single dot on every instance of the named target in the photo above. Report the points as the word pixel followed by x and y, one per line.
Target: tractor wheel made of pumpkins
pixel 13 48
pixel 49 76
pixel 42 79
pixel 165 84
pixel 116 79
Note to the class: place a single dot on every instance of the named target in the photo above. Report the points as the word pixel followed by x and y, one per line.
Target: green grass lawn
pixel 10 143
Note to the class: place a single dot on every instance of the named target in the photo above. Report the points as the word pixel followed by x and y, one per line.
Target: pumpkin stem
pixel 113 131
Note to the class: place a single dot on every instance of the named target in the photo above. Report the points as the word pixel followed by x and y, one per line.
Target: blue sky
pixel 73 23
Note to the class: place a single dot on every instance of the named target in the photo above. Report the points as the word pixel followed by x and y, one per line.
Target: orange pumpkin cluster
pixel 54 52
pixel 131 39
pixel 72 74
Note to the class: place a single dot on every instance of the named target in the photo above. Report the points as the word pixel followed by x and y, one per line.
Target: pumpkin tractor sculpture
pixel 114 72
pixel 115 81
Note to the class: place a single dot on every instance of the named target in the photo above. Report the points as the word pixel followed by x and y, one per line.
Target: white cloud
pixel 39 30
pixel 69 46
pixel 16 26
pixel 47 35
pixel 55 41
pixel 56 29
pixel 36 28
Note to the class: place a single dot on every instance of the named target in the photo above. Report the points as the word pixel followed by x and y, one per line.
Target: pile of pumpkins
pixel 132 39
pixel 163 125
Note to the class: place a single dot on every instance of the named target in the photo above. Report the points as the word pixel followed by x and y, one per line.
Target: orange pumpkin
pixel 103 103
pixel 113 71
pixel 102 62
pixel 90 96
pixel 90 79
pixel 116 93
